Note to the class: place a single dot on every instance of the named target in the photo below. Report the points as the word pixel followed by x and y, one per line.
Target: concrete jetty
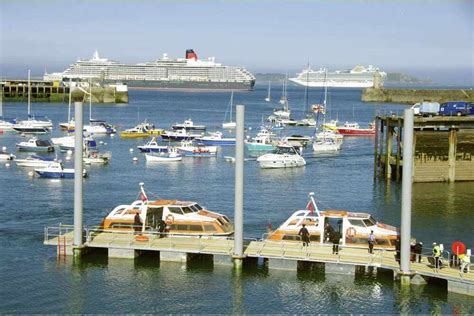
pixel 412 96
pixel 49 91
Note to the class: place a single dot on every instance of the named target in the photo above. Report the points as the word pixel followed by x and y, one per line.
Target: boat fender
pixel 350 232
pixel 141 238
pixel 169 219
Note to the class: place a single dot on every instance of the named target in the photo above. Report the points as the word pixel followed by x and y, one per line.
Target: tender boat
pixel 152 147
pixel 34 144
pixel 196 149
pixel 353 227
pixel 56 170
pixel 171 156
pixel 172 217
pixel 99 127
pixel 285 156
pixel 354 129
pixel 178 135
pixel 188 125
pixel 35 161
pixel 6 156
pixel 216 138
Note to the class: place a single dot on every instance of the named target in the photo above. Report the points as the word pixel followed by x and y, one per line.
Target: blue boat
pixel 216 139
pixel 56 171
pixel 153 147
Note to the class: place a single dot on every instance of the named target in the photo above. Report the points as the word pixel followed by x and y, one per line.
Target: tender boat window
pixel 370 221
pixel 176 210
pixel 196 228
pixel 194 208
pixel 210 228
pixel 199 207
pixel 356 222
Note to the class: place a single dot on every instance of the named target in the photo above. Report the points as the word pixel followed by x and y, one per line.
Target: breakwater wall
pixel 411 96
pixel 44 91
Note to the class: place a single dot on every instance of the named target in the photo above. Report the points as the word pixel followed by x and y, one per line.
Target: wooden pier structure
pixel 283 255
pixel 443 148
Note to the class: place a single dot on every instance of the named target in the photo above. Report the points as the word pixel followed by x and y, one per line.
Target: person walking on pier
pixel 137 223
pixel 336 239
pixel 418 249
pixel 371 241
pixel 436 255
pixel 304 233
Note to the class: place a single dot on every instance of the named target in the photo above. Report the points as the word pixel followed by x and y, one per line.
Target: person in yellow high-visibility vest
pixel 465 262
pixel 436 255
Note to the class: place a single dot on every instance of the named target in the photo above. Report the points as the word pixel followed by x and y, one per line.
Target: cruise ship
pixel 181 73
pixel 358 77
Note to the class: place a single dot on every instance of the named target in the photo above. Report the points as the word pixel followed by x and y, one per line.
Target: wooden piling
pixel 452 155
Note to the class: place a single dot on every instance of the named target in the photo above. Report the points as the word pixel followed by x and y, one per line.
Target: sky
pixel 417 37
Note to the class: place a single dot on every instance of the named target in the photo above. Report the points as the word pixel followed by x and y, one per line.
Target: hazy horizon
pixel 425 39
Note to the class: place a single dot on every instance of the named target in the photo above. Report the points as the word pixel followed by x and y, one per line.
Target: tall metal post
pixel 405 231
pixel 239 186
pixel 78 176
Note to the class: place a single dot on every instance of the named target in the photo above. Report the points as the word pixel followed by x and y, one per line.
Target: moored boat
pixel 196 149
pixel 171 156
pixel 354 129
pixel 263 141
pixel 178 135
pixel 354 228
pixel 56 170
pixel 216 138
pixel 37 145
pixel 28 127
pixel 6 156
pixel 285 156
pixel 152 147
pixel 171 217
pixel 139 131
pixel 35 161
pixel 188 125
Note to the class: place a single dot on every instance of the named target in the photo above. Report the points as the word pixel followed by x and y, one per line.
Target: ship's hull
pixel 356 132
pixel 334 84
pixel 188 85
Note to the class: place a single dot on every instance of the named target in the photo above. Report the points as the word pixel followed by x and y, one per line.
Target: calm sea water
pixel 32 280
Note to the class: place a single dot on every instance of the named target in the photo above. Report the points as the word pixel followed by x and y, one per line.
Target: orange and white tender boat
pixel 353 227
pixel 167 216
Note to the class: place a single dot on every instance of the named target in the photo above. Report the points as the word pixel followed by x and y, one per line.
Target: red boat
pixel 354 129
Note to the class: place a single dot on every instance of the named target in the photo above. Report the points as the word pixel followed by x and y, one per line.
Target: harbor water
pixel 33 280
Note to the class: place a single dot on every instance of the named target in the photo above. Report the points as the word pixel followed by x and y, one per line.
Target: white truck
pixel 426 108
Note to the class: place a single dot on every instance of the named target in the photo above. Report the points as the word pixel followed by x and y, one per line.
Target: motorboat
pixel 308 121
pixel 325 133
pixel 35 161
pixel 216 138
pixel 327 141
pixel 6 125
pixel 68 126
pixel 188 125
pixel 171 156
pixel 56 170
pixel 353 227
pixel 92 156
pixel 263 141
pixel 37 145
pixel 196 149
pixel 139 131
pixel 285 156
pixel 99 127
pixel 172 217
pixel 6 156
pixel 178 135
pixel 152 147
pixel 297 140
pixel 354 129
pixel 62 140
pixel 29 127
pixel 70 144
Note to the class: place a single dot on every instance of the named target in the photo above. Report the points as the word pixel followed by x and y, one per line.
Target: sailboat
pixel 69 125
pixel 327 140
pixel 32 125
pixel 268 98
pixel 308 120
pixel 5 124
pixel 96 126
pixel 231 124
pixel 283 113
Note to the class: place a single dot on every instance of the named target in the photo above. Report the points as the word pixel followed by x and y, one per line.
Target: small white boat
pixel 99 127
pixel 285 156
pixel 56 170
pixel 188 125
pixel 92 156
pixel 6 156
pixel 231 124
pixel 195 149
pixel 35 161
pixel 171 156
pixel 178 135
pixel 30 127
pixel 62 140
pixel 326 145
pixel 34 144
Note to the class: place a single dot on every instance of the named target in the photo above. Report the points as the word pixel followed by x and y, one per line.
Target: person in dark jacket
pixel 328 231
pixel 335 238
pixel 417 250
pixel 397 250
pixel 304 233
pixel 137 223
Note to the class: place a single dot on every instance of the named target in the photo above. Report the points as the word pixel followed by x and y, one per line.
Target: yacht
pixel 263 141
pixel 152 146
pixel 56 170
pixel 35 161
pixel 353 227
pixel 173 217
pixel 285 156
pixel 179 135
pixel 188 125
pixel 216 138
pixel 34 144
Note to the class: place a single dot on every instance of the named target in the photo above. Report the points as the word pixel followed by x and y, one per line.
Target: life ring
pixel 350 232
pixel 169 219
pixel 141 238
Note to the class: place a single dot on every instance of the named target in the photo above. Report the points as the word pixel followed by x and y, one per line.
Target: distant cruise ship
pixel 180 73
pixel 358 77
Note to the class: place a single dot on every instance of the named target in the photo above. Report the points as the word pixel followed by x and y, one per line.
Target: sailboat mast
pixel 231 103
pixel 90 100
pixel 269 88
pixel 29 93
pixel 306 91
pixel 69 106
